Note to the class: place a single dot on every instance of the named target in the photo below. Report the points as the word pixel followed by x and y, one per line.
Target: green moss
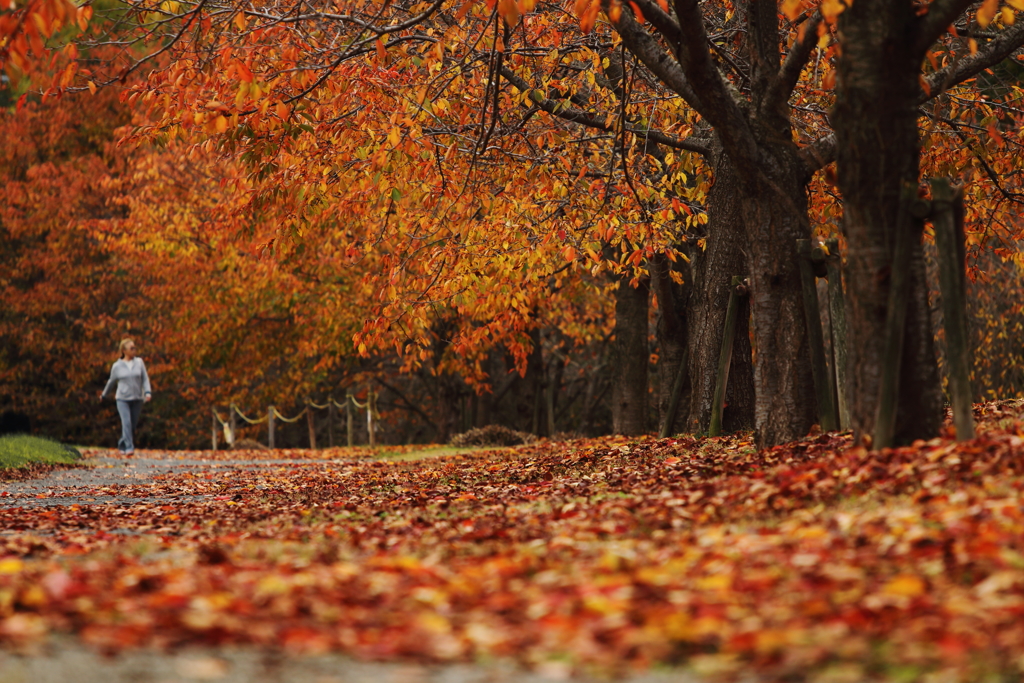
pixel 19 450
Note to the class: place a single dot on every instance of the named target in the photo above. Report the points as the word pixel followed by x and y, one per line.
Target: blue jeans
pixel 129 412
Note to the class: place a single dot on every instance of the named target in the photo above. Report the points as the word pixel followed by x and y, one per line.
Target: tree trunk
pixel 672 338
pixel 877 152
pixel 630 359
pixel 722 258
pixel 776 217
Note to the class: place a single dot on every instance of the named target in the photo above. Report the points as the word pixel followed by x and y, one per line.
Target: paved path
pixel 65 660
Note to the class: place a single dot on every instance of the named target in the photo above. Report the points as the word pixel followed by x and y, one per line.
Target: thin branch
pixel 993 52
pixel 941 13
pixel 789 74
pixel 569 113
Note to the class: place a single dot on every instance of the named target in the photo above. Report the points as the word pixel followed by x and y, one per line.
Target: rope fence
pixel 229 427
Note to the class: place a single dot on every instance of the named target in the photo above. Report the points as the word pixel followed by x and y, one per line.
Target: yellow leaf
pixel 92 87
pixel 222 124
pixel 987 12
pixel 11 565
pixel 791 8
pixel 240 21
pixel 908 585
pixel 1008 16
pixel 830 9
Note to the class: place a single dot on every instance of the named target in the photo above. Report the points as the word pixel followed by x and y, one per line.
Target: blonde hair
pixel 125 342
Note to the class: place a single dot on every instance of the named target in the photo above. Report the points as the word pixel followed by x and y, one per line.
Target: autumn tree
pixel 444 156
pixel 883 77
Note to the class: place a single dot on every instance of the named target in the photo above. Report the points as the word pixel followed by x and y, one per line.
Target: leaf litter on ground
pixel 817 559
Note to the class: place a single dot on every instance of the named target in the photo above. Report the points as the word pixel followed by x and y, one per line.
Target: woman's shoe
pixel 128 453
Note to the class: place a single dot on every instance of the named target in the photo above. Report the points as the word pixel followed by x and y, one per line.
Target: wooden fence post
pixel 216 426
pixel 947 207
pixel 816 339
pixel 369 416
pixel 736 290
pixel 677 389
pixel 348 418
pixel 312 424
pixel 270 426
pixel 837 313
pixel 330 422
pixel 233 426
pixel 896 314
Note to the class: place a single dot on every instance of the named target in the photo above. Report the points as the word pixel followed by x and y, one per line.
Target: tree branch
pixel 789 74
pixel 646 48
pixel 689 76
pixel 570 113
pixel 941 13
pixel 723 110
pixel 823 152
pixel 993 52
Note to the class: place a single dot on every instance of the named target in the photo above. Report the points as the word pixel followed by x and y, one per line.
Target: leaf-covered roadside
pixel 805 559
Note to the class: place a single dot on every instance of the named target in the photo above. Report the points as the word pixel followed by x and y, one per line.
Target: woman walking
pixel 129 374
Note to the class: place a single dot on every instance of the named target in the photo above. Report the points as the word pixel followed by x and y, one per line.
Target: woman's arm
pixel 147 390
pixel 111 383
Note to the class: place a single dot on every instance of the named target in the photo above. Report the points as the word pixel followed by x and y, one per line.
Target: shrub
pixel 492 435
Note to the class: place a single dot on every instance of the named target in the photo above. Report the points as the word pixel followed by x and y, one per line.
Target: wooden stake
pixel 947 207
pixel 677 390
pixel 725 357
pixel 270 426
pixel 369 416
pixel 816 339
pixel 216 426
pixel 896 315
pixel 348 418
pixel 233 426
pixel 837 313
pixel 312 424
pixel 330 422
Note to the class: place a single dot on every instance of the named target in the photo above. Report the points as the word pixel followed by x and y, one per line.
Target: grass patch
pixel 21 450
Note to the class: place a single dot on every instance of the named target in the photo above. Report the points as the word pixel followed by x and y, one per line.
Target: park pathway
pixel 63 659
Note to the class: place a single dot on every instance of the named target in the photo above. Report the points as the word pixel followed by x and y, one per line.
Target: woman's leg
pixel 136 414
pixel 124 409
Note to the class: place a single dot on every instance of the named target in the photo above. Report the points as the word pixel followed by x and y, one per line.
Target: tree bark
pixel 877 152
pixel 776 216
pixel 630 358
pixel 672 337
pixel 722 258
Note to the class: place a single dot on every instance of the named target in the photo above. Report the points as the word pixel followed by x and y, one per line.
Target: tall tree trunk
pixel 672 339
pixel 722 258
pixel 630 358
pixel 878 152
pixel 776 217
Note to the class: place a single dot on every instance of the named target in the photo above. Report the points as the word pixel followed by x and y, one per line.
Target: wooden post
pixel 736 290
pixel 348 418
pixel 896 315
pixel 815 339
pixel 312 424
pixel 837 312
pixel 233 426
pixel 677 390
pixel 216 426
pixel 947 207
pixel 330 422
pixel 270 426
pixel 369 416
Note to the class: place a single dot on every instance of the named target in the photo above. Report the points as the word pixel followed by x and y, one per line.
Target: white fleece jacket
pixel 131 379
